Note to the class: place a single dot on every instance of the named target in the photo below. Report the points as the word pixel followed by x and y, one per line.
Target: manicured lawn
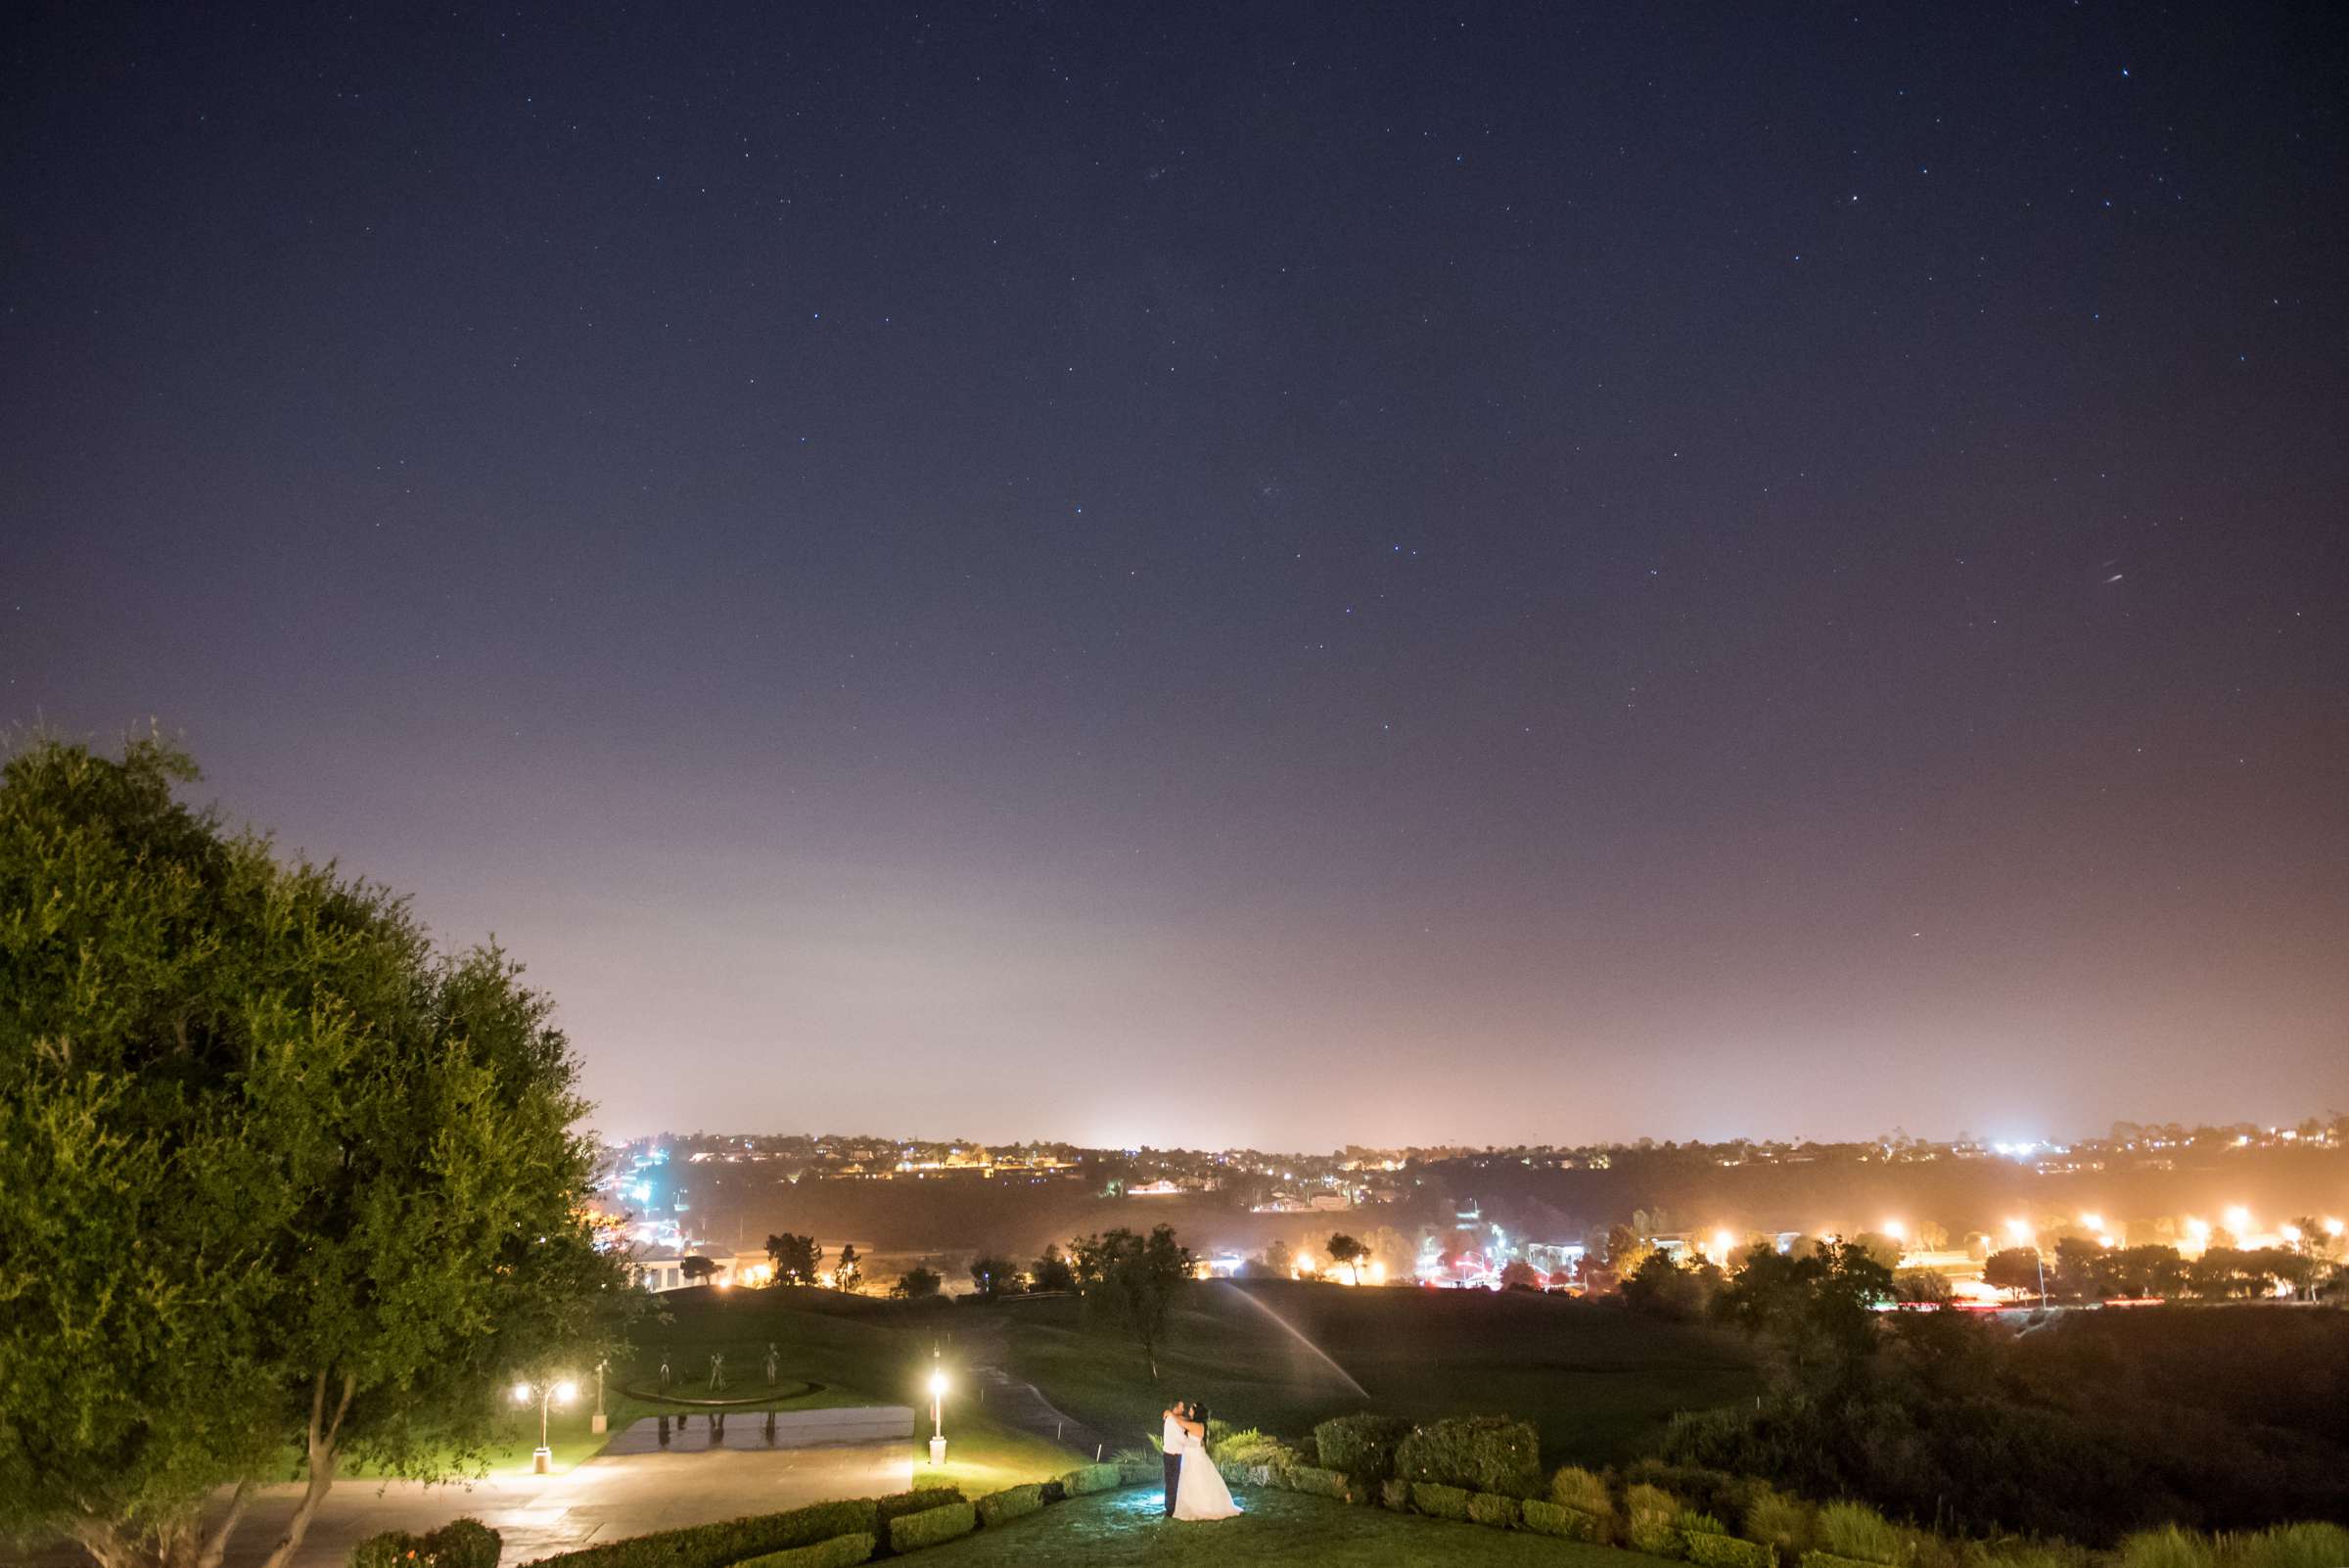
pixel 1279 1530
pixel 1599 1382
pixel 983 1457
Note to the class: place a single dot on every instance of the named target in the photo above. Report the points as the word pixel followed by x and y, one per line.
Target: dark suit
pixel 1174 1463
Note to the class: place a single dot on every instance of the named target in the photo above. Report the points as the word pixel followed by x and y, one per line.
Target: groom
pixel 1172 1442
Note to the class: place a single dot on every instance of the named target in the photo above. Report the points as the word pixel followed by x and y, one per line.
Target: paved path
pixel 604 1498
pixel 1023 1404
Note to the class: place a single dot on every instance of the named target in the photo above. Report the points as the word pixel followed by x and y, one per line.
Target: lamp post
pixel 597 1424
pixel 938 1419
pixel 559 1392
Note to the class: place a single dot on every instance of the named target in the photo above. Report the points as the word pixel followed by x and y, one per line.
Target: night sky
pixel 1242 573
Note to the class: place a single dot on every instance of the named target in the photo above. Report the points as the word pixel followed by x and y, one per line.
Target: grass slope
pixel 1599 1383
pixel 1279 1530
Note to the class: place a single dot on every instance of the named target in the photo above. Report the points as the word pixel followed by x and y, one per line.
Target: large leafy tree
pixel 1131 1281
pixel 277 1180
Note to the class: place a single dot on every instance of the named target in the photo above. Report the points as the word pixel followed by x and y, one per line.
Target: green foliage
pixel 1780 1522
pixel 717 1545
pixel 1651 1522
pixel 348 1162
pixel 1856 1531
pixel 797 1260
pixel 1345 1252
pixel 1577 1487
pixel 1012 1502
pixel 921 1282
pixel 1316 1482
pixel 1662 1288
pixel 459 1543
pixel 1480 1452
pixel 1052 1271
pixel 2169 1546
pixel 930 1527
pixel 996 1277
pixel 1131 1281
pixel 898 1504
pixel 1695 1521
pixel 1090 1478
pixel 1396 1493
pixel 840 1552
pixel 2019 1270
pixel 2296 1546
pixel 1564 1521
pixel 1248 1448
pixel 1439 1502
pixel 1361 1448
pixel 848 1270
pixel 1828 1559
pixel 1698 1486
pixel 1492 1508
pixel 1715 1548
pixel 1818 1311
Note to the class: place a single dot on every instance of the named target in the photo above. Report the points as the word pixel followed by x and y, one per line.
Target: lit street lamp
pixel 938 1420
pixel 561 1392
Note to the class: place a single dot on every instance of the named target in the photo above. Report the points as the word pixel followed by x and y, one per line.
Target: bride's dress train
pixel 1201 1493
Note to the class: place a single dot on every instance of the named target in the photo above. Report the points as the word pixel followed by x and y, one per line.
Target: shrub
pixel 931 1527
pixel 841 1551
pixel 1779 1522
pixel 1361 1448
pixel 1714 1548
pixel 1478 1454
pixel 717 1545
pixel 2169 1547
pixel 1246 1446
pixel 2299 1546
pixel 2015 1553
pixel 464 1544
pixel 1319 1482
pixel 1439 1502
pixel 1396 1494
pixel 1088 1479
pixel 1564 1522
pixel 1857 1531
pixel 1651 1522
pixel 1012 1502
pixel 1579 1489
pixel 1708 1491
pixel 1492 1508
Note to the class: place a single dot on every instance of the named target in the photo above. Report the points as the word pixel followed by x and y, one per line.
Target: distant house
pixel 1161 1188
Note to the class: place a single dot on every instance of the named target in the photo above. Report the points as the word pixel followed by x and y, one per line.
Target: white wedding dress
pixel 1201 1493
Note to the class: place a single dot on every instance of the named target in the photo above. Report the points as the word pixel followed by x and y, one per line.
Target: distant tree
pixel 1884 1249
pixel 1661 1287
pixel 797 1260
pixel 2016 1269
pixel 1347 1252
pixel 1932 1237
pixel 1921 1285
pixel 1518 1274
pixel 277 1179
pixel 995 1277
pixel 697 1270
pixel 921 1282
pixel 1818 1309
pixel 2082 1269
pixel 1280 1263
pixel 848 1270
pixel 1052 1271
pixel 2148 1271
pixel 1131 1281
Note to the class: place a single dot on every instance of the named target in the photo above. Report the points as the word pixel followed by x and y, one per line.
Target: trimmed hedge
pixel 1710 1550
pixel 1492 1508
pixel 1139 1472
pixel 1318 1481
pixel 1477 1453
pixel 1361 1448
pixel 1012 1502
pixel 1088 1479
pixel 1567 1524
pixel 717 1545
pixel 841 1551
pixel 1439 1502
pixel 1396 1494
pixel 911 1532
pixel 459 1543
pixel 921 1500
pixel 1827 1559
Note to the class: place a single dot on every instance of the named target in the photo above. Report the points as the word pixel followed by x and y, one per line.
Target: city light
pixel 2332 1227
pixel 566 1391
pixel 2092 1222
pixel 2291 1233
pixel 1896 1230
pixel 1723 1244
pixel 521 1393
pixel 2238 1221
pixel 2019 1232
pixel 2105 1240
pixel 2198 1231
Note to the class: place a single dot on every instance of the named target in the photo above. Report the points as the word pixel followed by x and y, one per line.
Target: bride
pixel 1201 1493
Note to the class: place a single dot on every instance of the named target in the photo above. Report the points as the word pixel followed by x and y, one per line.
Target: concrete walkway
pixel 1023 1404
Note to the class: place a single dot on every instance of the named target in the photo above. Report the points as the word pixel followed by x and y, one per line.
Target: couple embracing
pixel 1196 1487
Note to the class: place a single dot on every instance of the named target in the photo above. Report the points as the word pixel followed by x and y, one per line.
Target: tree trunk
pixel 322 1454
